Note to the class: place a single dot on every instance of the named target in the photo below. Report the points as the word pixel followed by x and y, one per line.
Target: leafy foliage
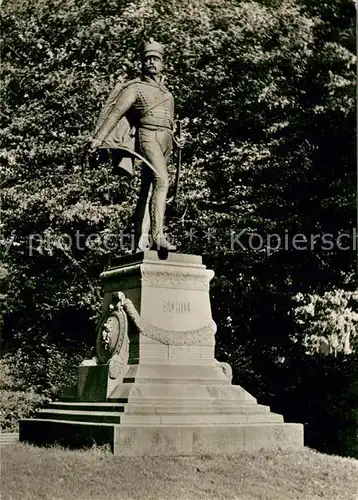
pixel 16 405
pixel 267 89
pixel 329 321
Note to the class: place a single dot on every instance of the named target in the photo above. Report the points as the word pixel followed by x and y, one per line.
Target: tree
pixel 267 91
pixel 330 321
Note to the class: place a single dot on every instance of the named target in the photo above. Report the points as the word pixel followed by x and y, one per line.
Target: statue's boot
pixel 162 243
pixel 144 243
pixel 142 217
pixel 157 211
pixel 143 239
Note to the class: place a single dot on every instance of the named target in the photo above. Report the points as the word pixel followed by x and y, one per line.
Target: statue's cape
pixel 122 137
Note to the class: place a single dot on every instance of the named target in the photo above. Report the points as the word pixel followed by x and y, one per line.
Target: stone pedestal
pixel 172 299
pixel 155 387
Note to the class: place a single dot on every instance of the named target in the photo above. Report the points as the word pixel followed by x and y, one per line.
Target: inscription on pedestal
pixel 171 306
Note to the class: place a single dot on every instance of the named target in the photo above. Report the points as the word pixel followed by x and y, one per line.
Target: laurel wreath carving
pixel 112 333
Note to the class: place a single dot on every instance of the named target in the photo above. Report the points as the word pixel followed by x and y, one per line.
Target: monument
pixel 154 386
pixel 138 121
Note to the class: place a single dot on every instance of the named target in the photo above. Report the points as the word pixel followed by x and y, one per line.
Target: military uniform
pixel 148 106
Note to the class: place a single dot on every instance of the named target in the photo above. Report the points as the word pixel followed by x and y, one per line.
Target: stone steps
pixel 162 407
pixel 173 380
pixel 170 401
pixel 162 419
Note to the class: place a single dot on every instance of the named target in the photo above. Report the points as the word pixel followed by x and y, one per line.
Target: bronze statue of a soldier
pixel 138 119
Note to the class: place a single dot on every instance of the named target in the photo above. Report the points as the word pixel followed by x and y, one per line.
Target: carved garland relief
pixel 159 276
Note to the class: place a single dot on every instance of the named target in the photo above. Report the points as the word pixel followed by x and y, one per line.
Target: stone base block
pixel 154 440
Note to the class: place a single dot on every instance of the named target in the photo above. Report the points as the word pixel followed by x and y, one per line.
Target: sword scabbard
pixel 177 174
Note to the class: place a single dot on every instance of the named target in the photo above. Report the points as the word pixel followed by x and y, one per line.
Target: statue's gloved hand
pixel 180 141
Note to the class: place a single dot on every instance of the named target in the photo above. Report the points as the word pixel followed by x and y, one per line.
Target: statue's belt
pixel 154 127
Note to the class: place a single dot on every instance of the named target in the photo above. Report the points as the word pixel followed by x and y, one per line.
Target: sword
pixel 177 173
pixel 123 152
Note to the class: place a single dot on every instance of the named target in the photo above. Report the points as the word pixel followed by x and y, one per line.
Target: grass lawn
pixel 54 473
